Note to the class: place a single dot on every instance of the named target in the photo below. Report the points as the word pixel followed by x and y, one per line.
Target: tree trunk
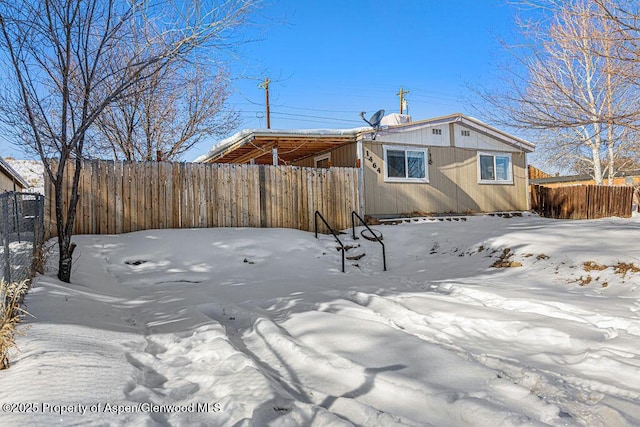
pixel 66 259
pixel 65 228
pixel 611 159
pixel 597 166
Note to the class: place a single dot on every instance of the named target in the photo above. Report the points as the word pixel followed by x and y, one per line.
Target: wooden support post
pixel 263 196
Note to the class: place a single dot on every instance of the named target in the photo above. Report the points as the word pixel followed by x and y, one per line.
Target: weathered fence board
pixel 120 197
pixel 582 201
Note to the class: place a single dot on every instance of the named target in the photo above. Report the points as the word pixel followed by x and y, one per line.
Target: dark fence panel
pixel 582 201
pixel 21 234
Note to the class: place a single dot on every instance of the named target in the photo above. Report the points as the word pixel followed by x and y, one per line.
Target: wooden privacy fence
pixel 120 197
pixel 582 201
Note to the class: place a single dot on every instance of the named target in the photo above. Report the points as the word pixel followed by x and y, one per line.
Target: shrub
pixel 11 297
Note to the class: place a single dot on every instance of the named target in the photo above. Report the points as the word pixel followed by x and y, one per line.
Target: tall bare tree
pixel 571 86
pixel 66 65
pixel 623 19
pixel 168 113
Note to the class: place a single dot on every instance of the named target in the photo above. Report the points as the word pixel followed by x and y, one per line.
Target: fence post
pixel 263 196
pixel 38 223
pixel 5 236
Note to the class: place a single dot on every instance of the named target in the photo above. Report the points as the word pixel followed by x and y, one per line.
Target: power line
pixel 250 116
pixel 319 109
pixel 286 114
pixel 324 110
pixel 445 98
pixel 302 108
pixel 315 117
pixel 309 120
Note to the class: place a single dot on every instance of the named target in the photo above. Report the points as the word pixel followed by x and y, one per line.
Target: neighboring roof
pixel 11 173
pixel 296 144
pixel 576 178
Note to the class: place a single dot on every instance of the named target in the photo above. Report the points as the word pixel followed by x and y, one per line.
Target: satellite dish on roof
pixel 374 121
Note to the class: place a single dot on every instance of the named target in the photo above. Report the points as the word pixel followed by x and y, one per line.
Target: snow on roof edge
pixel 11 171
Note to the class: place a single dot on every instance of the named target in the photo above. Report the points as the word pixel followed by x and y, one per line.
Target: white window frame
pixel 325 156
pixel 495 181
pixel 424 150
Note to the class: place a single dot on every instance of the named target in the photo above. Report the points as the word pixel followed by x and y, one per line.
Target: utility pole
pixel 401 94
pixel 265 85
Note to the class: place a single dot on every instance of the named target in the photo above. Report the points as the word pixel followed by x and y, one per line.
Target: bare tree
pixel 66 65
pixel 571 86
pixel 167 114
pixel 624 162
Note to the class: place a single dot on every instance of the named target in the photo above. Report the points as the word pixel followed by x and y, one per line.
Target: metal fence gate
pixel 21 233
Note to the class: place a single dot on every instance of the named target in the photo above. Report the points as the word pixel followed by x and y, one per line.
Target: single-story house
pixel 450 164
pixel 10 180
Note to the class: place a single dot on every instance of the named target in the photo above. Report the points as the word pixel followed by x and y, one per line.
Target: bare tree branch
pixel 65 67
pixel 572 85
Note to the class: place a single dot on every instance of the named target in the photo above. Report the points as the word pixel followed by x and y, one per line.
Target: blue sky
pixel 330 59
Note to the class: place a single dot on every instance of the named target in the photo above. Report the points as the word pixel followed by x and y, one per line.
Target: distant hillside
pixel 31 170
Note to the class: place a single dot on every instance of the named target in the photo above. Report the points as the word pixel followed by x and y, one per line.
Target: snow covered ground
pixel 243 327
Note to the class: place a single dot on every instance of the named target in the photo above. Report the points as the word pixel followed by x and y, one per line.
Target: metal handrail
pixel 353 230
pixel 342 248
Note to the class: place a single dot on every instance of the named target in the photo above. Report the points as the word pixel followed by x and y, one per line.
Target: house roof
pixel 468 122
pixel 11 173
pixel 294 144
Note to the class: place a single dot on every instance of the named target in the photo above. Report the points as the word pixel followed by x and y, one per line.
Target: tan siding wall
pixel 423 136
pixel 6 184
pixel 342 157
pixel 453 185
pixel 491 197
pixel 306 163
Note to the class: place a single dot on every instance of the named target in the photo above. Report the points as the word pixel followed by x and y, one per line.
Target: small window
pixel 466 133
pixel 495 168
pixel 405 164
pixel 436 131
pixel 322 161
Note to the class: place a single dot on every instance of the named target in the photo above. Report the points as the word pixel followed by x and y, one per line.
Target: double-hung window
pixel 405 164
pixel 495 168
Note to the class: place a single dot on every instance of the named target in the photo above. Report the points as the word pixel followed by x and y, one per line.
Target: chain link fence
pixel 21 234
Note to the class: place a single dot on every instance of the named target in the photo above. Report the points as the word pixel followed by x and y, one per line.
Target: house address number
pixel 374 165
